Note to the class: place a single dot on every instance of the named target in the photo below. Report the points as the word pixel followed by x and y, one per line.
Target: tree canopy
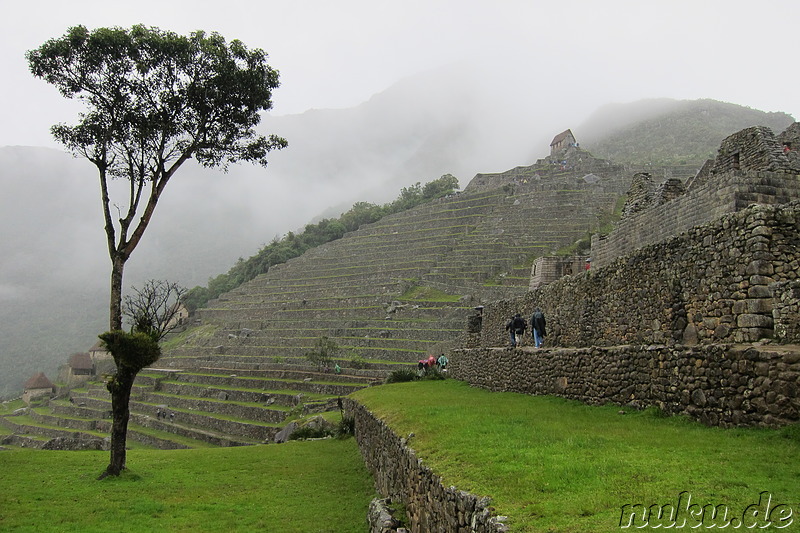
pixel 154 100
pixel 154 308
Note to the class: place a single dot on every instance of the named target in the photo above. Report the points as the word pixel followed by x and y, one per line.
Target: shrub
pixel 358 362
pixel 323 352
pixel 346 427
pixel 433 374
pixel 401 375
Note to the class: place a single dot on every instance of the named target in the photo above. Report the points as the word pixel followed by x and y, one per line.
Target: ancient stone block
pixel 754 321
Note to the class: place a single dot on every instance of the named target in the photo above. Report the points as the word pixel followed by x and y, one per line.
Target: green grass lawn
pixel 553 465
pixel 303 487
pixel 549 464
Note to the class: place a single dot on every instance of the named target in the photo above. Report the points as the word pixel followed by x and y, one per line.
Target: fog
pixel 54 266
pixel 374 96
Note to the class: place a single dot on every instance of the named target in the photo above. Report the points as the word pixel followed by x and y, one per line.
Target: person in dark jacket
pixel 538 324
pixel 516 328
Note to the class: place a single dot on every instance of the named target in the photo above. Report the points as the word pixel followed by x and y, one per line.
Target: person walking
pixel 516 328
pixel 538 325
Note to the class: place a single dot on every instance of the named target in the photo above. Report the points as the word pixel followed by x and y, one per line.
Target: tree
pixel 154 308
pixel 152 311
pixel 443 186
pixel 324 351
pixel 154 100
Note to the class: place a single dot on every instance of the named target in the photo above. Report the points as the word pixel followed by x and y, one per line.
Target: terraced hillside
pixel 386 295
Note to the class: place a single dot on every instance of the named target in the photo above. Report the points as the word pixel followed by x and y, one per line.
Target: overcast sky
pixel 337 53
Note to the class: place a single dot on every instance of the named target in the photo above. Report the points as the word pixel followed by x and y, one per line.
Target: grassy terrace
pixel 26 420
pixel 166 436
pixel 298 487
pixel 310 396
pixel 256 380
pixel 259 405
pixel 382 324
pixel 553 465
pixel 310 340
pixel 218 416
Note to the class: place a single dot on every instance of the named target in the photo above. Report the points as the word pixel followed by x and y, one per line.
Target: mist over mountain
pixel 669 131
pixel 54 266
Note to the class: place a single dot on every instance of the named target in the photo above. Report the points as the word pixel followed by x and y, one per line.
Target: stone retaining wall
pixel 725 385
pixel 750 167
pixel 51 433
pixel 402 477
pixel 726 281
pixel 725 194
pixel 786 310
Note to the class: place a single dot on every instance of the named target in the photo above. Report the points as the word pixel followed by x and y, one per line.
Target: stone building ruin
pixel 691 305
pixel 38 386
pixel 751 167
pixel 551 268
pixel 562 141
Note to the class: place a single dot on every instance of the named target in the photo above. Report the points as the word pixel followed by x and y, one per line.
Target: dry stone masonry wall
pixel 675 324
pixel 751 167
pixel 402 477
pixel 725 385
pixel 728 281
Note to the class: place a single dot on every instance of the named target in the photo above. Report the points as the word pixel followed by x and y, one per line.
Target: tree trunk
pixel 115 304
pixel 120 388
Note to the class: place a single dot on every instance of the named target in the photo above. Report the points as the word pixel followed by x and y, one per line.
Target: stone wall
pixel 725 385
pixel 720 282
pixel 551 268
pixel 402 477
pixel 722 195
pixel 754 148
pixel 750 167
pixel 786 311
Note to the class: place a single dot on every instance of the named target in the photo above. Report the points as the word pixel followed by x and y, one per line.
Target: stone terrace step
pixel 378 353
pixel 204 421
pixel 367 369
pixel 277 397
pixel 316 387
pixel 187 432
pixel 257 413
pixel 26 425
pixel 303 375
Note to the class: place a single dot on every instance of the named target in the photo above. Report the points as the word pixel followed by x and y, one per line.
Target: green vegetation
pixel 174 340
pixel 295 244
pixel 401 375
pixel 555 465
pixel 319 486
pixel 671 132
pixel 325 349
pixel 358 362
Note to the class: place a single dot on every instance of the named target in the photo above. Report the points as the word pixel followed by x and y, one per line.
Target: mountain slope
pixel 669 131
pixel 52 253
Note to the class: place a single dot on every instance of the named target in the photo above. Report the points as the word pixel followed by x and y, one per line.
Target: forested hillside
pixel 669 132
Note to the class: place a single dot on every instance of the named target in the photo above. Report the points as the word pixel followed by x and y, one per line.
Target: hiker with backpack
pixel 516 327
pixel 538 330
